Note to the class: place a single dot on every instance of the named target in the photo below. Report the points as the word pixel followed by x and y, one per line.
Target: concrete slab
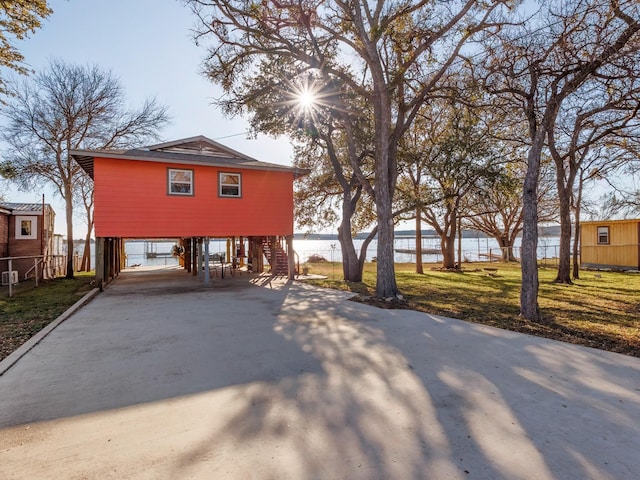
pixel 160 377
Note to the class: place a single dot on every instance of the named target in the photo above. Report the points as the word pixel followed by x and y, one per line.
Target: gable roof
pixel 198 150
pixel 610 221
pixel 17 208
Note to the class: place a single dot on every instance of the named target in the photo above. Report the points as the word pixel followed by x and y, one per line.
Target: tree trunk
pixel 69 217
pixel 419 268
pixel 529 309
pixel 564 260
pixel 448 248
pixel 512 236
pixel 386 173
pixel 386 286
pixel 351 265
pixel 576 239
pixel 86 254
pixel 459 243
pixel 365 246
pixel 575 255
pixel 448 241
pixel 350 261
pixel 506 247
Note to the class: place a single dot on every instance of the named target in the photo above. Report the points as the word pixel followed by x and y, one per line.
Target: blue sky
pixel 147 44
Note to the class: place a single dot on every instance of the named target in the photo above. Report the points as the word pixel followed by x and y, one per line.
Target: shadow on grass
pixel 600 312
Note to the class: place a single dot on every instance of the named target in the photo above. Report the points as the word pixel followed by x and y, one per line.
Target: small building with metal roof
pixel 26 232
pixel 192 189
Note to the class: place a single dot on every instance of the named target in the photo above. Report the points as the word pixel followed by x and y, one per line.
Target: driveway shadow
pixel 148 338
pixel 274 379
pixel 407 395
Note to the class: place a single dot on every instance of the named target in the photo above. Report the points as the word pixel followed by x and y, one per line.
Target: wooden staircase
pixel 277 257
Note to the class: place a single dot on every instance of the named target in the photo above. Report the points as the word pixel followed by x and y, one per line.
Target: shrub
pixel 315 258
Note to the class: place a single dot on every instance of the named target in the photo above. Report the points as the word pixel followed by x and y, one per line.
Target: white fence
pixel 38 267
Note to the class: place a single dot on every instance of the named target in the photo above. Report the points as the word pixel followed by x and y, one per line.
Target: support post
pixel 107 260
pixel 116 258
pixel 100 262
pixel 123 255
pixel 199 257
pixel 259 256
pixel 207 276
pixel 187 254
pixel 290 257
pixel 242 251
pixel 194 256
pixel 35 269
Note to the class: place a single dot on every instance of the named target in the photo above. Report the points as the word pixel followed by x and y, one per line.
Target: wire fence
pixel 547 255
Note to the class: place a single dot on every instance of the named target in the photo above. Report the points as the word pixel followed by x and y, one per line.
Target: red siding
pixel 131 201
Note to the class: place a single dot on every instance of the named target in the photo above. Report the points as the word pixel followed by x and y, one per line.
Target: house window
pixel 180 182
pixel 230 185
pixel 603 235
pixel 26 228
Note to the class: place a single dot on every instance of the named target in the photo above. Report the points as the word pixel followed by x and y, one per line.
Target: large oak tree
pixel 539 68
pixel 331 134
pixel 392 54
pixel 606 108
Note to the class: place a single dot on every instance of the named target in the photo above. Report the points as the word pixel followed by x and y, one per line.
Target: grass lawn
pixel 32 308
pixel 601 310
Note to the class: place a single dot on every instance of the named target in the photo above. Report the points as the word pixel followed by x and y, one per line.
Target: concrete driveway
pixel 160 377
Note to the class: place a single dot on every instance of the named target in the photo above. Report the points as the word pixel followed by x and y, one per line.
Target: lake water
pixel 473 249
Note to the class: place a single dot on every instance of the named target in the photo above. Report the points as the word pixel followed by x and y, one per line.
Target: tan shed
pixel 610 244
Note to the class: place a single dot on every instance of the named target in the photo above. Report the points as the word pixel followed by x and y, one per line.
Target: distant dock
pixel 425 251
pixel 491 256
pixel 151 249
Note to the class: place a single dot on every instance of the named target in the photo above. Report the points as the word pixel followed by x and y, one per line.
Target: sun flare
pixel 307 99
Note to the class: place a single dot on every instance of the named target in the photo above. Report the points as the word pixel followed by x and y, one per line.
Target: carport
pixel 191 189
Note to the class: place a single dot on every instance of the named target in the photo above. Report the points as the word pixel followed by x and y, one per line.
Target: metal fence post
pixel 10 279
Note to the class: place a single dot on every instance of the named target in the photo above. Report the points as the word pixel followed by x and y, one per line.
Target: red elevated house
pixel 192 189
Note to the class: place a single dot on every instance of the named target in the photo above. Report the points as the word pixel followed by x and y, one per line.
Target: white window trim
pixel 34 227
pixel 608 235
pixel 239 185
pixel 169 182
